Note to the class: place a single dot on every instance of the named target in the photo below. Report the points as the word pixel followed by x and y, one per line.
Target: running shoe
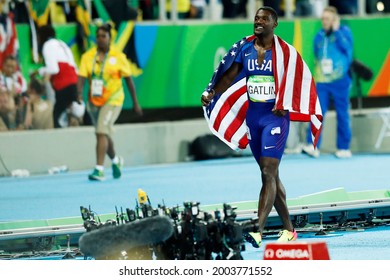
pixel 309 150
pixel 287 236
pixel 96 175
pixel 343 154
pixel 253 238
pixel 117 168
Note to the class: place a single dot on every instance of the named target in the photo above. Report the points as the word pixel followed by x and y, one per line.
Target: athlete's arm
pixel 228 77
pixel 223 84
pixel 50 56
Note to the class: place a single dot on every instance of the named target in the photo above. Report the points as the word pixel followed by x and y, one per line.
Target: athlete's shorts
pixel 104 117
pixel 267 133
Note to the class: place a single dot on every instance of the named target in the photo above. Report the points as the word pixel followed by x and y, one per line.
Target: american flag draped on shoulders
pixel 294 87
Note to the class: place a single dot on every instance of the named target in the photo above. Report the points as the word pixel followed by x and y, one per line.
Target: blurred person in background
pixel 104 68
pixel 15 84
pixel 333 51
pixel 61 67
pixel 183 8
pixel 345 7
pixel 303 8
pixel 74 115
pixel 6 110
pixel 275 4
pixel 39 112
pixel 9 43
pixel 234 8
pixel 197 9
pixel 149 9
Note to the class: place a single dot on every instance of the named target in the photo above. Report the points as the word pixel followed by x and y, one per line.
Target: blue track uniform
pixel 267 133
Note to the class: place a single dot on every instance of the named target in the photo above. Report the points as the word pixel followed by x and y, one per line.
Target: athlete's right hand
pixel 206 98
pixel 279 113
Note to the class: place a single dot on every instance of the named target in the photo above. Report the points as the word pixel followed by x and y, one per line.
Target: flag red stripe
pixel 313 98
pixel 227 106
pixel 243 142
pixel 237 122
pixel 299 117
pixel 316 132
pixel 296 101
pixel 286 57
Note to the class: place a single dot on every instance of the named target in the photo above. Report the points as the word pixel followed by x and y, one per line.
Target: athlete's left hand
pixel 279 113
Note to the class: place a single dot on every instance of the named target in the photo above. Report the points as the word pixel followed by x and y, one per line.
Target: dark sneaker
pixel 117 168
pixel 96 175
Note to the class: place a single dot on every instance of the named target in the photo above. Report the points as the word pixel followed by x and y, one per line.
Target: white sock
pixel 100 167
pixel 115 160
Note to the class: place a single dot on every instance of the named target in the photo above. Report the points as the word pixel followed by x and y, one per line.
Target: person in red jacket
pixel 61 67
pixel 9 43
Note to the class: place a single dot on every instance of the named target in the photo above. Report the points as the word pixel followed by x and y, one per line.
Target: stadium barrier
pixel 151 143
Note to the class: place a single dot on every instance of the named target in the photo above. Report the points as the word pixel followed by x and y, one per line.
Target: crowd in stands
pixel 23 100
pixel 65 10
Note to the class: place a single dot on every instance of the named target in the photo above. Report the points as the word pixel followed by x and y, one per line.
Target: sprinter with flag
pixel 260 85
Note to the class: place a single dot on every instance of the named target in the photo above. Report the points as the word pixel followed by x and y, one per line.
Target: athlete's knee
pixel 269 166
pixel 269 173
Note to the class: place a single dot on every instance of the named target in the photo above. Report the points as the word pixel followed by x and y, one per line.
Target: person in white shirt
pixel 13 81
pixel 61 67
